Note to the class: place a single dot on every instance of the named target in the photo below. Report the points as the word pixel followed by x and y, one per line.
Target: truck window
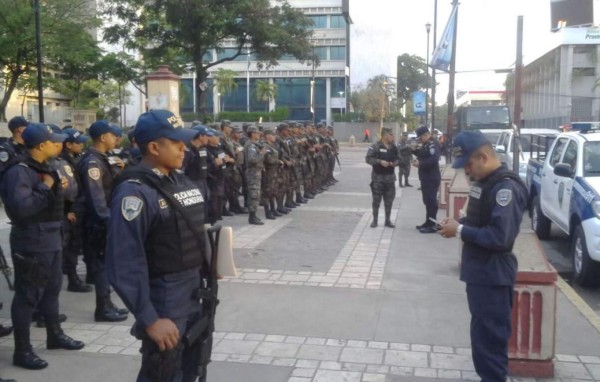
pixel 591 159
pixel 558 151
pixel 570 156
pixel 506 140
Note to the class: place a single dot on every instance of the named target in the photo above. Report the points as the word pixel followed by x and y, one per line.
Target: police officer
pixel 152 249
pixel 255 154
pixel 13 146
pixel 406 158
pixel 195 162
pixel 97 179
pixel 33 196
pixel 131 154
pixel 428 158
pixel 217 163
pixel 497 201
pixel 383 156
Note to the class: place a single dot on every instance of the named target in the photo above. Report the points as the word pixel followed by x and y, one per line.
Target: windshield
pixel 591 159
pixel 492 137
pixel 488 116
pixel 539 143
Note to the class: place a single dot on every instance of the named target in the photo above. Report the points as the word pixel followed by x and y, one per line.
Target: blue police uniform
pixel 430 177
pixel 9 150
pixel 154 260
pixel 216 183
pixel 494 214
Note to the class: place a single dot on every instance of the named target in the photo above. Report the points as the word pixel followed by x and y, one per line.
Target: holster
pixel 31 270
pixel 160 366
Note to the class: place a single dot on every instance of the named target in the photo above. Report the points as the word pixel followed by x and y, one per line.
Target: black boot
pixel 289 205
pixel 274 210
pixel 388 221
pixel 375 215
pixel 76 284
pixel 226 212
pixel 268 214
pixel 308 195
pixel 105 311
pixel 24 356
pixel 112 306
pixel 5 330
pixel 300 199
pixel 253 219
pixel 57 339
pixel 7 380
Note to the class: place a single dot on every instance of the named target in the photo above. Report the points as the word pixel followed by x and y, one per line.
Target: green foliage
pixel 265 91
pixel 411 76
pixel 279 115
pixel 181 32
pixel 373 101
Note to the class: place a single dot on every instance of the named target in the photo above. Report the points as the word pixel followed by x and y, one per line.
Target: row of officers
pixel 57 195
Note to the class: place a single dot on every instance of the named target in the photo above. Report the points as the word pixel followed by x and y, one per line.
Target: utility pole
pixel 433 70
pixel 248 80
pixel 312 87
pixel 428 29
pixel 518 83
pixel 452 72
pixel 38 49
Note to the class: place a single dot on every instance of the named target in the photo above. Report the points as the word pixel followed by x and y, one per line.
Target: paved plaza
pixel 323 297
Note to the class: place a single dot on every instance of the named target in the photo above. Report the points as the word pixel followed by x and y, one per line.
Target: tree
pixel 411 74
pixel 374 99
pixel 64 23
pixel 225 83
pixel 265 91
pixel 182 33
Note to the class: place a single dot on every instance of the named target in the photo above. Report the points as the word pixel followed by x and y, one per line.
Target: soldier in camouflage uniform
pixel 285 174
pixel 324 153
pixel 300 144
pixel 273 166
pixel 383 156
pixel 309 166
pixel 406 158
pixel 240 168
pixel 254 159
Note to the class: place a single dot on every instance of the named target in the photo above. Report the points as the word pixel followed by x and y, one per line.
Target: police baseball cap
pixel 156 124
pixel 465 145
pixel 203 130
pixel 17 122
pixel 217 133
pixel 422 130
pixel 36 133
pixel 102 127
pixel 117 129
pixel 75 136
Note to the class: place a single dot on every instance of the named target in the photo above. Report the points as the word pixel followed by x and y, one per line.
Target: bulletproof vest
pixel 53 212
pixel 271 156
pixel 102 162
pixel 217 152
pixel 382 153
pixel 171 245
pixel 481 201
pixel 197 169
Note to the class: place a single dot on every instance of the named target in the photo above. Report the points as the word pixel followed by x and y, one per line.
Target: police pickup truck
pixel 564 189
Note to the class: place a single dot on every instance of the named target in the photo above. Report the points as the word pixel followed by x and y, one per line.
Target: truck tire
pixel 540 224
pixel 586 271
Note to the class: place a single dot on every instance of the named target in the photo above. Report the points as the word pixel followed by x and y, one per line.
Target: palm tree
pixel 266 91
pixel 225 82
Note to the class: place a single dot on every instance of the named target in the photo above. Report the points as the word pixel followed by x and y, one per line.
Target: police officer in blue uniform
pixel 32 192
pixel 97 181
pixel 152 252
pixel 14 146
pixel 497 201
pixel 195 162
pixel 383 156
pixel 428 158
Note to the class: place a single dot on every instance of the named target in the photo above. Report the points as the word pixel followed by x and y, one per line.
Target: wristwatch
pixel 459 230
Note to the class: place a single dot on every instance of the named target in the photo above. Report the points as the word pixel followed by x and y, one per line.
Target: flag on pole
pixel 442 55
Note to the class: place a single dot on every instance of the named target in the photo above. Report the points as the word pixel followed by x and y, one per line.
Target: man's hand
pixel 48 180
pixel 218 161
pixel 415 163
pixel 164 333
pixel 448 228
pixel 384 163
pixel 71 217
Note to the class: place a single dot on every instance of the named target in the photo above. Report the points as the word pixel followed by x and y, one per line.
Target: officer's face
pixel 475 168
pixel 213 141
pixel 170 153
pixel 388 138
pixel 425 137
pixel 110 140
pixel 270 138
pixel 75 148
pixel 58 146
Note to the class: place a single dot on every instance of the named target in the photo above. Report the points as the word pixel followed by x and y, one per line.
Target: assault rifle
pixel 6 270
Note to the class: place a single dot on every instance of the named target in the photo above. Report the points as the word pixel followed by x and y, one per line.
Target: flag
pixel 442 55
pixel 419 103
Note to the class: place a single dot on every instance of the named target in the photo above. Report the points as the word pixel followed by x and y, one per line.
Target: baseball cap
pixel 268 131
pixel 102 127
pixel 422 130
pixel 252 129
pixel 17 122
pixel 465 144
pixel 36 133
pixel 155 124
pixel 203 130
pixel 236 130
pixel 75 136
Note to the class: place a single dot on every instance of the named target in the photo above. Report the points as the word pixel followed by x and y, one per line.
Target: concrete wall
pixel 343 130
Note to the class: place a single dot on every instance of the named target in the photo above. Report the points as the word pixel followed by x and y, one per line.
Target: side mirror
pixel 564 170
pixel 500 149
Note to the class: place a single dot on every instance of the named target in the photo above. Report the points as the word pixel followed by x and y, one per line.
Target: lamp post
pixel 38 49
pixel 428 29
pixel 341 108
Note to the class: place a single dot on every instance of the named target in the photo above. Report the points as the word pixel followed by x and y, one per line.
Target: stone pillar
pixel 458 195
pixel 447 177
pixel 163 90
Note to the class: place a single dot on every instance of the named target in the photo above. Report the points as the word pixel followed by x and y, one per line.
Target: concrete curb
pixel 579 303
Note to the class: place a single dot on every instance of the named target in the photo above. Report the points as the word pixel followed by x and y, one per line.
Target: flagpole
pixel 433 87
pixel 452 72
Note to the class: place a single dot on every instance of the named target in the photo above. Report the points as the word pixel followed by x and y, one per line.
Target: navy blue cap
pixel 117 129
pixel 422 130
pixel 75 136
pixel 102 127
pixel 217 133
pixel 36 133
pixel 203 130
pixel 465 144
pixel 156 124
pixel 17 122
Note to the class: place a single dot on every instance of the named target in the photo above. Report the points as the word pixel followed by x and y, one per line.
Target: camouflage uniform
pixel 254 167
pixel 405 156
pixel 383 179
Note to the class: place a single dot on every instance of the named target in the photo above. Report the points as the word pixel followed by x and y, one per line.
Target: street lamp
pixel 428 29
pixel 341 93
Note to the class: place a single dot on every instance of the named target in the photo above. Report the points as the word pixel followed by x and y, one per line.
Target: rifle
pixel 337 158
pixel 6 270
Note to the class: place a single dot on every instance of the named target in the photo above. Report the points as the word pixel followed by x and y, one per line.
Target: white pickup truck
pixel 564 190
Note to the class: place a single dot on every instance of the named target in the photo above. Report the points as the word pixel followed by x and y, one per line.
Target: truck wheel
pixel 586 272
pixel 539 223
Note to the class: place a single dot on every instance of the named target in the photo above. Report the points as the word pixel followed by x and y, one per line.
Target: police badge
pixel 131 207
pixel 504 197
pixel 68 170
pixel 4 156
pixel 94 173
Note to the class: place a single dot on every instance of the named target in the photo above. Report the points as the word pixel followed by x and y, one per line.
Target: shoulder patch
pixel 4 156
pixel 131 206
pixel 68 170
pixel 94 173
pixel 504 197
pixel 432 150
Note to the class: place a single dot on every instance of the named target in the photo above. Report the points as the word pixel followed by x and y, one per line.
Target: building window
pixel 338 87
pixel 230 52
pixel 584 72
pixel 581 109
pixel 208 56
pixel 337 21
pixel 319 21
pixel 338 53
pixel 321 52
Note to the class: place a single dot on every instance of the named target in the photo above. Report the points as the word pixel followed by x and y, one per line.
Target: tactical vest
pixel 54 212
pixel 171 246
pixel 382 153
pixel 197 169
